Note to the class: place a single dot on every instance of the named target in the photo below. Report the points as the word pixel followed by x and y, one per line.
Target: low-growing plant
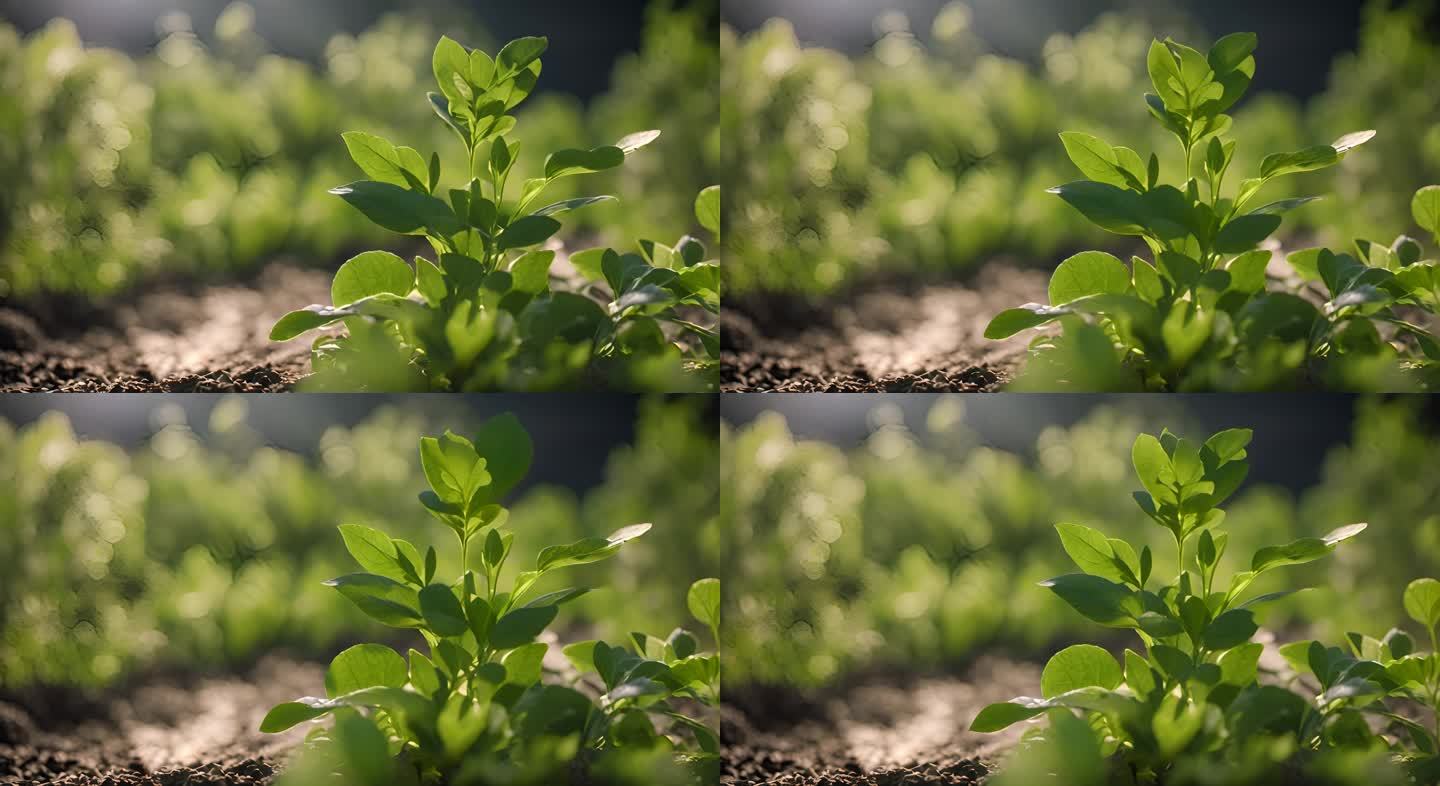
pixel 1202 313
pixel 482 314
pixel 1194 689
pixel 476 709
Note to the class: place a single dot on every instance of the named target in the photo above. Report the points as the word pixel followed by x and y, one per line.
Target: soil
pixel 165 731
pixel 878 731
pixel 890 338
pixel 170 337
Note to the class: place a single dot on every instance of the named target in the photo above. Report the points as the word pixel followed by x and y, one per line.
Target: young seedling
pixel 482 314
pixel 1192 687
pixel 1201 312
pixel 474 699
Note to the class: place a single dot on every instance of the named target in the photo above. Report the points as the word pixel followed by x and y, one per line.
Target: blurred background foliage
pixel 205 545
pixel 209 154
pixel 928 153
pixel 920 547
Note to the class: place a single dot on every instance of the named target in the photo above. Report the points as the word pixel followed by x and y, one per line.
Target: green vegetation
pixel 1203 315
pixel 922 160
pixel 476 710
pixel 205 552
pixel 209 160
pixel 891 555
pixel 482 315
pixel 1195 690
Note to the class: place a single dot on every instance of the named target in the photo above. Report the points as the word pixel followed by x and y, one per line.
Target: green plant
pixel 483 315
pixel 475 709
pixel 1201 313
pixel 1195 689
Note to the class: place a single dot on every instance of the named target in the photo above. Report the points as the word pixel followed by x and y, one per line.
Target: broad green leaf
pixel 1231 629
pixel 531 272
pixel 1007 713
pixel 1175 724
pixel 1230 51
pixel 565 163
pixel 1100 600
pixel 1307 160
pixel 707 209
pixel 376 157
pixel 521 626
pixel 552 711
pixel 518 55
pixel 1245 232
pixel 1240 665
pixel 508 452
pixel 1090 550
pixel 398 209
pixel 703 601
pixel 1138 674
pixel 373 549
pixel 301 321
pixel 1425 207
pixel 365 666
pixel 1302 550
pixel 449 61
pixel 632 142
pixel 523 664
pixel 423 674
pixel 1013 320
pixel 1088 273
pixel 283 716
pixel 1422 602
pixel 384 599
pixel 1094 158
pixel 581 655
pixel 371 273
pixel 1110 207
pixel 527 231
pixel 1152 466
pixel 1079 666
pixel 1247 271
pixel 442 610
pixel 586 550
pixel 564 316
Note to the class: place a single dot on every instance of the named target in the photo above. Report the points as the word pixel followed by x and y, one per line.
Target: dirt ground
pixel 160 732
pixel 892 338
pixel 175 337
pixel 880 731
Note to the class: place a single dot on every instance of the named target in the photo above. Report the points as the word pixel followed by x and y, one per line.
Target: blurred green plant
pixel 476 710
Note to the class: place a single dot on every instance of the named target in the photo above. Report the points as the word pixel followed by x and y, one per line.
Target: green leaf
pixel 567 205
pixel 398 209
pixel 581 655
pixel 365 666
pixel 1100 600
pixel 371 273
pixel 1175 724
pixel 1302 550
pixel 1422 602
pixel 386 600
pixel 1229 52
pixel 563 316
pixel 527 231
pixel 1153 467
pixel 1283 206
pixel 1094 158
pixel 376 157
pixel 283 716
pixel 1088 273
pixel 531 272
pixel 449 61
pixel 1231 629
pixel 1230 444
pixel 518 55
pixel 1247 271
pixel 1013 320
pixel 373 549
pixel 1079 666
pixel 305 319
pixel 707 209
pixel 703 601
pixel 521 626
pixel 1110 207
pixel 1007 713
pixel 587 550
pixel 523 664
pixel 565 163
pixel 1138 674
pixel 442 611
pixel 508 451
pixel 632 142
pixel 1245 232
pixel 1425 207
pixel 1090 550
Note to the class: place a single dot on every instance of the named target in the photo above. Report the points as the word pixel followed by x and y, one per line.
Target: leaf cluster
pixel 1203 312
pixel 473 706
pixel 483 314
pixel 1193 689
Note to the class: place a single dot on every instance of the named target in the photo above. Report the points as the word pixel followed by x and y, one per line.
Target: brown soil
pixel 164 732
pixel 172 337
pixel 884 731
pixel 891 338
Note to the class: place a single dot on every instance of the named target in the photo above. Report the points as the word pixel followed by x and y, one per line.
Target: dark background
pixel 1298 38
pixel 586 36
pixel 574 434
pixel 1292 431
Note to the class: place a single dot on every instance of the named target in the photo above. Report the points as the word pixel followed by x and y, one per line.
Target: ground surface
pixel 892 338
pixel 162 732
pixel 170 337
pixel 879 732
